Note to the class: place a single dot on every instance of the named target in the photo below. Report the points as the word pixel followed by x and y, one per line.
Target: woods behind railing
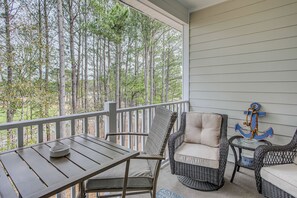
pixel 135 119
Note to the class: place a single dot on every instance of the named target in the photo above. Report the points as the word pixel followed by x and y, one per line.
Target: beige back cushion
pixel 203 128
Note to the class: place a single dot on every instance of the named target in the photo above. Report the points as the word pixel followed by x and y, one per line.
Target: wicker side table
pixel 244 144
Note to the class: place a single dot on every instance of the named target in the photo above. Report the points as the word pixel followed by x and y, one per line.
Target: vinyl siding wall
pixel 243 52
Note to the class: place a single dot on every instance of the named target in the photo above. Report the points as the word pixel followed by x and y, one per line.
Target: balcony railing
pixel 135 119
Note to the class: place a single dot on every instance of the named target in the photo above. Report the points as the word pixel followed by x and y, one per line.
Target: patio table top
pixel 31 172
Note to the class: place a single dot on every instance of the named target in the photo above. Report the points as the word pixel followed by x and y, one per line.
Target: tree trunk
pixel 118 76
pixel 104 70
pixel 40 43
pixel 151 74
pixel 163 67
pixel 9 58
pixel 86 60
pixel 82 83
pixel 72 58
pixel 108 68
pixel 10 109
pixel 146 72
pixel 98 71
pixel 47 62
pixel 136 66
pixel 94 72
pixel 126 73
pixel 78 55
pixel 62 63
pixel 167 75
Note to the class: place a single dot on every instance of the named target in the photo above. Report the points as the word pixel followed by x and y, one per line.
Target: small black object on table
pixel 244 144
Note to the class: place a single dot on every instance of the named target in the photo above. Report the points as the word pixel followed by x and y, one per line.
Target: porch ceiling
pixel 193 5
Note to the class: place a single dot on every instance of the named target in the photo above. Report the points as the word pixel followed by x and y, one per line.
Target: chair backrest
pixel 223 128
pixel 159 133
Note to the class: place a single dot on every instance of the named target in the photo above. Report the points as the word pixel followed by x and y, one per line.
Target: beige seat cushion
pixel 282 176
pixel 113 178
pixel 203 128
pixel 198 154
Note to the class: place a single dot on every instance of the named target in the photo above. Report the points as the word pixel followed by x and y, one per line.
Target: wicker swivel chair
pixel 144 169
pixel 276 170
pixel 198 151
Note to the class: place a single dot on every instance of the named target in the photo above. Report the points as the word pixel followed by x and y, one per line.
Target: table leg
pixel 126 178
pixel 235 163
pixel 239 154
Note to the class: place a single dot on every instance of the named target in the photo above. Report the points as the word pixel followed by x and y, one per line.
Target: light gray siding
pixel 242 52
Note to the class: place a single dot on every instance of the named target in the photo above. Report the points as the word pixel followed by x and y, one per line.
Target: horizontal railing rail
pixel 58 121
pixel 152 106
pixel 11 125
pixel 137 119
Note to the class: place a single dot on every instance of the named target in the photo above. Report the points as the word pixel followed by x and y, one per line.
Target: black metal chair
pixel 144 169
pixel 276 162
pixel 201 172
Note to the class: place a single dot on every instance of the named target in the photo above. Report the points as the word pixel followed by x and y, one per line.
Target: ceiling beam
pixel 149 8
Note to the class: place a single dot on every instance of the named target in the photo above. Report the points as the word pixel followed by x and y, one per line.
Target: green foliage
pixel 146 45
pixel 109 23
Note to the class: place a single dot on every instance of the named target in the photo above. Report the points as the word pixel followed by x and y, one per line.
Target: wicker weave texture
pixel 271 191
pixel 159 133
pixel 199 177
pixel 273 155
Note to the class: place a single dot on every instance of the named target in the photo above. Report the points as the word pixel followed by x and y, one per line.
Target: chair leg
pixel 153 195
pixel 126 178
pixel 82 193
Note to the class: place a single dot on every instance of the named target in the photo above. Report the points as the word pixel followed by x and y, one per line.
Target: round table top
pixel 241 142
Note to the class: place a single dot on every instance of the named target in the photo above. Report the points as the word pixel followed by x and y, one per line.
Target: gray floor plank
pixel 6 188
pixel 46 171
pixel 23 177
pixel 63 164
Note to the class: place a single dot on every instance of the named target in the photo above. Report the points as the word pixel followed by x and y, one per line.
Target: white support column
pixel 110 120
pixel 186 62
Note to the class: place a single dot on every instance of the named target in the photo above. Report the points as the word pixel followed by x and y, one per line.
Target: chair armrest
pixel 125 133
pixel 267 155
pixel 223 149
pixel 149 157
pixel 174 141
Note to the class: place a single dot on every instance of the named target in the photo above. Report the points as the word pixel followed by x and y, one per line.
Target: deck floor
pixel 243 186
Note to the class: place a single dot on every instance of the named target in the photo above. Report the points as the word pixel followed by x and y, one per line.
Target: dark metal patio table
pixel 31 172
pixel 244 144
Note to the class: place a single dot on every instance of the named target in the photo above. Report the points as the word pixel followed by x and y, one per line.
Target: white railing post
pixel 111 119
